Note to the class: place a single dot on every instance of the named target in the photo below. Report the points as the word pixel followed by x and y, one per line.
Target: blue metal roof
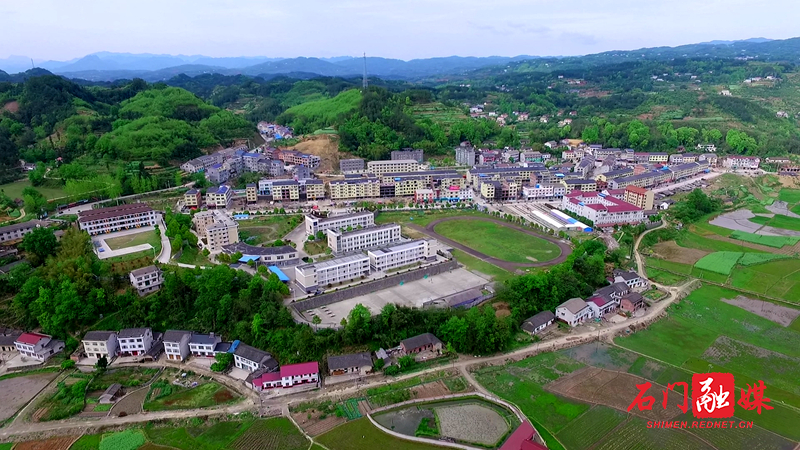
pixel 248 258
pixel 281 276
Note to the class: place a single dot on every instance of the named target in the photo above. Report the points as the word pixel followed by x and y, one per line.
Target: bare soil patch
pixel 130 404
pixel 429 390
pixel 11 107
pixel 782 315
pixel 18 391
pixel 56 443
pixel 41 412
pixel 313 425
pixel 616 390
pixel 223 396
pixel 325 146
pixel 673 252
pixel 501 309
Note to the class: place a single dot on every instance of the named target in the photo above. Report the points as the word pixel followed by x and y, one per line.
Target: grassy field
pixel 769 241
pixel 423 217
pixel 316 247
pixel 131 240
pixel 590 427
pixel 14 190
pixel 267 229
pixel 498 241
pixel 719 262
pixel 662 277
pixel 192 255
pixel 203 396
pixel 127 377
pixel 473 263
pixel 360 434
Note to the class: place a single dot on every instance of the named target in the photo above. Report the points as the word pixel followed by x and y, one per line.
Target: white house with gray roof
pixel 574 312
pixel 537 324
pixel 176 344
pixel 97 344
pixel 135 341
pixel 251 359
pixel 204 344
pixel 356 363
pixel 147 279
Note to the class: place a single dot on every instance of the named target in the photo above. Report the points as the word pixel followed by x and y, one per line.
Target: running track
pixel 507 265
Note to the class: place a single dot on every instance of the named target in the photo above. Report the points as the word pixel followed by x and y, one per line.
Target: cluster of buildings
pixel 272 131
pixel 225 164
pixel 620 296
pixel 362 363
pixel 31 345
pixel 360 247
pixel 610 207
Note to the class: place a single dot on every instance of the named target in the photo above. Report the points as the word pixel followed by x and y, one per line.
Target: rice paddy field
pixel 700 334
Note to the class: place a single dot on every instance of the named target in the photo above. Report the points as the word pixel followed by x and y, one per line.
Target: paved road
pixel 166 248
pixel 507 265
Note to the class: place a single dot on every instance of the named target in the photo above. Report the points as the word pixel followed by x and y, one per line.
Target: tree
pixel 68 364
pixel 316 321
pixel 740 142
pixel 223 361
pixel 35 202
pixel 39 244
pixel 378 365
pixel 101 364
pixel 406 362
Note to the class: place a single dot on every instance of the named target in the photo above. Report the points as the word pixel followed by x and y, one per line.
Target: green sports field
pixel 498 241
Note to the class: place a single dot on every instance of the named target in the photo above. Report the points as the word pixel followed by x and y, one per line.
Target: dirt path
pixel 566 250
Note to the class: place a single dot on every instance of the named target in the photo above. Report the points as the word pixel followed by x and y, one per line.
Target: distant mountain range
pixel 107 66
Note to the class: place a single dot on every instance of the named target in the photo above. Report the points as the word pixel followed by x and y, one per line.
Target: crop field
pixel 663 277
pixel 785 222
pixel 87 442
pixel 360 434
pixel 634 434
pixel 271 434
pixel 719 262
pixel 56 443
pixel 501 242
pixel 124 440
pixel 769 241
pixel 202 396
pixel 15 392
pixel 790 196
pixel 755 438
pixel 751 259
pixel 471 422
pixel 590 427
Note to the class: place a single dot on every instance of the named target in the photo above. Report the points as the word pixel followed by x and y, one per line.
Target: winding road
pixel 566 250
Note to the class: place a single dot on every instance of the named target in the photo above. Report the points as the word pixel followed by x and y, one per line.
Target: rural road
pixel 463 364
pixel 566 250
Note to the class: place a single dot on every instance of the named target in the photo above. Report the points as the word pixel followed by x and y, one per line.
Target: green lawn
pixel 14 190
pixel 662 277
pixel 192 255
pixel 785 222
pixel 498 241
pixel 422 217
pixel 360 434
pixel 267 229
pixel 316 247
pixel 790 196
pixel 131 240
pixel 203 396
pixel 473 263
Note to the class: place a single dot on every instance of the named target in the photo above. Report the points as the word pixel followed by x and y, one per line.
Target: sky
pixel 403 29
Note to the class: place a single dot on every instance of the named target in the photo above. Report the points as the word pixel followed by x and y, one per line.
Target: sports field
pixel 131 240
pixel 498 241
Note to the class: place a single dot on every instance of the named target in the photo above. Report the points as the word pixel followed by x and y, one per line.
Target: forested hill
pixel 46 117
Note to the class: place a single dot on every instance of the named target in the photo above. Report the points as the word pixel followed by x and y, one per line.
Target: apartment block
pixel 116 218
pixel 310 277
pixel 147 279
pixel 251 193
pixel 406 154
pixel 402 165
pixel 219 197
pixel 641 197
pixel 581 185
pixel 465 156
pixel 355 188
pixel 544 191
pixel 286 190
pixel 361 219
pixel 314 189
pixel 193 198
pixel 500 190
pixel 400 255
pixel 351 241
pixel 603 210
pixel 217 228
pixel 18 230
pixel 356 165
pixel 297 158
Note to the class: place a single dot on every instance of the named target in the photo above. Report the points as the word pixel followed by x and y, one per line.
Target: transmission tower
pixel 364 82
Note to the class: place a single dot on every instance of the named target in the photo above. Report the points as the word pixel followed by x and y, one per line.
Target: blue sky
pixel 404 29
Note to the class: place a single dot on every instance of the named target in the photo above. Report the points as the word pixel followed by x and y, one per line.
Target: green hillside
pixel 313 115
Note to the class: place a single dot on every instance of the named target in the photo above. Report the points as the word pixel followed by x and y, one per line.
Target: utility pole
pixel 364 81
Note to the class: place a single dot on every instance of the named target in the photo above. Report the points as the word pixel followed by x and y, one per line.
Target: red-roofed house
pixel 523 439
pixel 38 346
pixel 288 376
pixel 602 209
pixel 601 305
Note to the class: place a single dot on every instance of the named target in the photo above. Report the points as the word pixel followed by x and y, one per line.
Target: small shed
pixel 111 394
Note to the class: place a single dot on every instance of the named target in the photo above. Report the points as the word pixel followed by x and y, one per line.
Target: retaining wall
pixel 373 286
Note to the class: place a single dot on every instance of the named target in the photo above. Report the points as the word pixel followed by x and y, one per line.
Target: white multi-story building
pixel 38 346
pixel 465 156
pixel 355 220
pixel 355 188
pixel 741 162
pixel 371 237
pixel 135 341
pixel 310 277
pixel 18 230
pixel 574 311
pixel 400 165
pixel 176 344
pixel 219 197
pixel 97 344
pixel 217 228
pixel 398 255
pixel 602 210
pixel 203 344
pixel 117 218
pixel 251 359
pixel 147 279
pixel 544 191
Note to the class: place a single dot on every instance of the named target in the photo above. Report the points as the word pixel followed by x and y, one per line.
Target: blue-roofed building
pixel 270 256
pixel 281 276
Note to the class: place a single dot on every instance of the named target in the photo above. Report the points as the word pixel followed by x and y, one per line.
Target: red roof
pixel 530 445
pixel 523 433
pixel 271 376
pixel 599 301
pixel 622 207
pixel 636 190
pixel 299 369
pixel 31 338
pixel 597 207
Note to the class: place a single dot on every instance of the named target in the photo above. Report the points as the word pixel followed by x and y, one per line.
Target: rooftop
pixel 366 230
pixel 246 249
pixel 574 305
pixel 538 320
pixel 133 332
pixel 419 341
pixel 334 262
pixel 144 271
pixel 292 370
pixel 175 335
pixel 351 360
pixel 395 248
pixel 98 335
pixel 31 338
pixel 345 216
pixel 114 211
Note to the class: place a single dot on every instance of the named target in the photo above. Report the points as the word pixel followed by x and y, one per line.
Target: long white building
pixel 116 218
pixel 351 241
pixel 603 210
pixel 398 255
pixel 398 165
pixel 355 220
pixel 310 277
